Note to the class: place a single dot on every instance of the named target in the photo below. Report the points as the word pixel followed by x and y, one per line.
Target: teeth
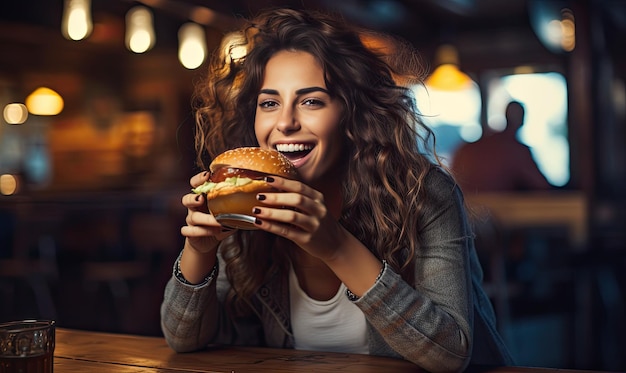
pixel 286 148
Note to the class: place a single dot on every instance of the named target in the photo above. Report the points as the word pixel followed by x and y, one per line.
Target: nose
pixel 287 121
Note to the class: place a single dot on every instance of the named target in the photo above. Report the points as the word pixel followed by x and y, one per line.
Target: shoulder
pixel 440 190
pixel 439 183
pixel 442 202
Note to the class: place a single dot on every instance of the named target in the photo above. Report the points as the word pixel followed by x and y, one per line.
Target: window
pixel 455 117
pixel 544 96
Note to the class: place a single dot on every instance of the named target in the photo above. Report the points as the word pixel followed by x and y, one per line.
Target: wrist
pixel 201 246
pixel 178 274
pixel 194 266
pixel 356 266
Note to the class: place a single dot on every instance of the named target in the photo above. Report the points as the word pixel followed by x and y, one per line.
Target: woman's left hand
pixel 299 213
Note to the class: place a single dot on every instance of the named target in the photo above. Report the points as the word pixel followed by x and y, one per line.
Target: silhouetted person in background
pixel 498 162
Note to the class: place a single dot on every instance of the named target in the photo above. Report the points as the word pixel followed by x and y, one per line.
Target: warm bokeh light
pixel 191 45
pixel 555 26
pixel 8 184
pixel 77 24
pixel 568 30
pixel 140 35
pixel 44 101
pixel 15 113
pixel 447 76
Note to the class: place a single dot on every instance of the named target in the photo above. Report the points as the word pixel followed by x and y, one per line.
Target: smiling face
pixel 296 115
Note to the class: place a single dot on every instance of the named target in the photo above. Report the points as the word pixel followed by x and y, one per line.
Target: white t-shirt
pixel 335 325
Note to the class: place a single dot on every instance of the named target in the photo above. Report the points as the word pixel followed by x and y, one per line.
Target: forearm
pixel 355 265
pixel 431 335
pixel 189 315
pixel 196 265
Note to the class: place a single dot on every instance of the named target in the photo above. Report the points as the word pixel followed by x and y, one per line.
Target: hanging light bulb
pixel 15 113
pixel 139 30
pixel 191 45
pixel 44 101
pixel 76 23
pixel 447 76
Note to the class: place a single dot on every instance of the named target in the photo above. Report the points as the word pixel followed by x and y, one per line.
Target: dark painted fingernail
pixel 256 210
pixel 269 179
pixel 205 173
pixel 257 221
pixel 261 197
pixel 198 197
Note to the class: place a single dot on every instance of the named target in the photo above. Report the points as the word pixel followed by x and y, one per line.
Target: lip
pixel 299 162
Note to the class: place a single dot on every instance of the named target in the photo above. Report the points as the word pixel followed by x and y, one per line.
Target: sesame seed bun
pixel 256 159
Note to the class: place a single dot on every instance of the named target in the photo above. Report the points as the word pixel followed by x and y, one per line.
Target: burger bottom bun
pixel 234 210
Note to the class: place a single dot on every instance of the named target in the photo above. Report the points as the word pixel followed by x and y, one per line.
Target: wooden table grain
pixel 98 352
pixel 80 351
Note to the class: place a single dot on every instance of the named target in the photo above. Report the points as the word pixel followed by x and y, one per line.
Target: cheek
pixel 335 136
pixel 261 130
pixel 333 130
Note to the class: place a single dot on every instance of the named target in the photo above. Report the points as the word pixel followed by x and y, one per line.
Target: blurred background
pixel 96 149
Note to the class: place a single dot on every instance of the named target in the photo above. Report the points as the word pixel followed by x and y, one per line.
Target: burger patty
pixel 221 174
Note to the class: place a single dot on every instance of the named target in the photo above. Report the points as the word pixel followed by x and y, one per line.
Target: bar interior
pixel 96 151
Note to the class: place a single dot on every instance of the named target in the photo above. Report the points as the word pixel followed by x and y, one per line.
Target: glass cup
pixel 27 346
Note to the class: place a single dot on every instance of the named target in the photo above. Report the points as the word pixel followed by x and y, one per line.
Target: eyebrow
pixel 300 91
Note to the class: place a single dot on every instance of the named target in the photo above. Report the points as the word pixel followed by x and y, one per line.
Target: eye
pixel 268 104
pixel 314 102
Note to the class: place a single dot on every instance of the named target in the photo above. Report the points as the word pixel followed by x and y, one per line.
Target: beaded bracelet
pixel 353 297
pixel 179 274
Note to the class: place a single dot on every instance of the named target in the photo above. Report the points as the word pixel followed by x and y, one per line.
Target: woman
pixel 373 253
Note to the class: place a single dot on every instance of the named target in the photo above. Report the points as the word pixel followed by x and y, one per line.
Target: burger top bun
pixel 257 159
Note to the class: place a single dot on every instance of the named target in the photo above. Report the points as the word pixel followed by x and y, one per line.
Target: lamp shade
pixel 44 101
pixel 447 76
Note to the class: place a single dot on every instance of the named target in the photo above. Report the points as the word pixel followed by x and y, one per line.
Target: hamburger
pixel 236 176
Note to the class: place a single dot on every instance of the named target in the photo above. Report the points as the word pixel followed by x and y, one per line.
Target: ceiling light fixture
pixel 192 48
pixel 447 76
pixel 140 35
pixel 76 22
pixel 44 101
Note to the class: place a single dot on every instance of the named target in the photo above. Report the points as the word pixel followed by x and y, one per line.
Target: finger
pixel 290 232
pixel 192 200
pixel 201 218
pixel 198 231
pixel 285 219
pixel 294 201
pixel 199 179
pixel 295 186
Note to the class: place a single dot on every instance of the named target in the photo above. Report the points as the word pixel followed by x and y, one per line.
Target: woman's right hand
pixel 203 233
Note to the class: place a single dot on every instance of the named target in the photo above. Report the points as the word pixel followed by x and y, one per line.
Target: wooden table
pixel 96 352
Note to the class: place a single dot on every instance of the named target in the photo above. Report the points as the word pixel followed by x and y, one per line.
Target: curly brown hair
pixel 388 149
